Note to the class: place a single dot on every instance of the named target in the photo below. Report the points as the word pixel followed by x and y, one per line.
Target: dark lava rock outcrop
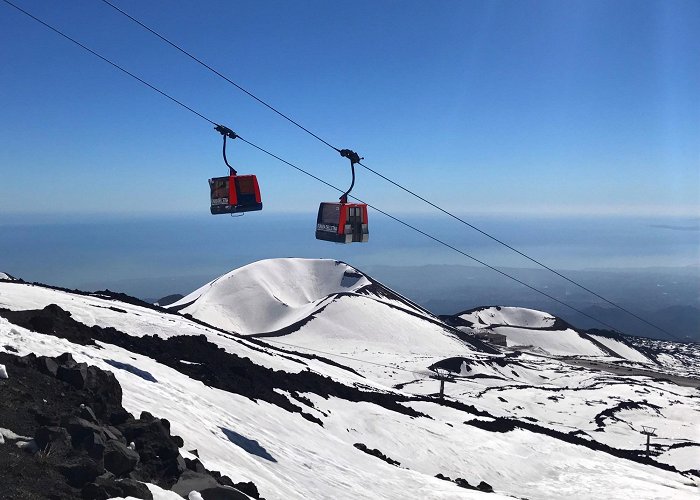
pixel 78 442
pixel 207 363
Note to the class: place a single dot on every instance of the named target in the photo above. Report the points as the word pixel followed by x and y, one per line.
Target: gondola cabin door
pixel 354 220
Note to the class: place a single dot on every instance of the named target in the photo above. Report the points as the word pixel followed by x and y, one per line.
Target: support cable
pixel 218 73
pixel 396 219
pixel 120 68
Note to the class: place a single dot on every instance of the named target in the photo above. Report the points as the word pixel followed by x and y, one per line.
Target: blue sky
pixel 545 108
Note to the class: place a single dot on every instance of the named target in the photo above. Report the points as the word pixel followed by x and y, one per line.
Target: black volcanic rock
pixel 80 437
pixel 376 453
pixel 119 459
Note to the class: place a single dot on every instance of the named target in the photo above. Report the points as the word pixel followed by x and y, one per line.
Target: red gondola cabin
pixel 234 194
pixel 342 222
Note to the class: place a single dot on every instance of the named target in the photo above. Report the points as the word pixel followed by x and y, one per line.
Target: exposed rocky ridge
pixel 207 362
pixel 80 441
pixel 6 277
pixel 376 453
pixel 463 483
pixel 624 405
pixel 103 294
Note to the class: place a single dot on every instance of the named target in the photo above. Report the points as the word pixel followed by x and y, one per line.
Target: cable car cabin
pixel 234 194
pixel 342 223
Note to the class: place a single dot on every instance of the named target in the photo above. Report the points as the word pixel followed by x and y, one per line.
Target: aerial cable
pixel 413 193
pixel 55 30
pixel 202 63
pixel 510 247
pixel 396 219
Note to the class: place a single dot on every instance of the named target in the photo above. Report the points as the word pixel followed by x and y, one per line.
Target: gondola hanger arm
pixel 354 158
pixel 230 134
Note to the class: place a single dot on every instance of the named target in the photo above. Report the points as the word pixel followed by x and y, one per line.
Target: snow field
pixel 308 460
pixel 294 458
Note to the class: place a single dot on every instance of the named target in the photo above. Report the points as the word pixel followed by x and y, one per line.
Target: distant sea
pixel 152 256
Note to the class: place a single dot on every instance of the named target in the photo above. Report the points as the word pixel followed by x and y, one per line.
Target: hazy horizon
pixel 75 251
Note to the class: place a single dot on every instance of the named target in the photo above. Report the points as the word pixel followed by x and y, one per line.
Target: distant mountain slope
pixel 544 332
pixel 5 276
pixel 322 304
pixel 681 321
pixel 168 299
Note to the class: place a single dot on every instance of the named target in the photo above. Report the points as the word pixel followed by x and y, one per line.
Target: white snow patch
pixel 509 316
pixel 627 352
pixel 557 342
pixel 3 372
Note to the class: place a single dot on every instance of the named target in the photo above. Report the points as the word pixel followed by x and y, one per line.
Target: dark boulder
pixel 82 431
pixel 106 486
pixel 119 416
pixel 485 487
pixel 47 366
pixel 73 375
pixel 463 483
pixel 65 359
pixel 81 471
pixel 118 459
pixel 179 442
pixel 132 488
pixel 152 439
pixel 248 488
pixel 195 465
pixel 113 433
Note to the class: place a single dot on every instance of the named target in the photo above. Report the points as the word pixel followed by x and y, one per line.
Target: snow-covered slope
pixel 539 331
pixel 5 276
pixel 271 295
pixel 326 305
pixel 276 411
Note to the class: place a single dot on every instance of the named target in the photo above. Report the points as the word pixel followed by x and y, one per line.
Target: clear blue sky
pixel 528 107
